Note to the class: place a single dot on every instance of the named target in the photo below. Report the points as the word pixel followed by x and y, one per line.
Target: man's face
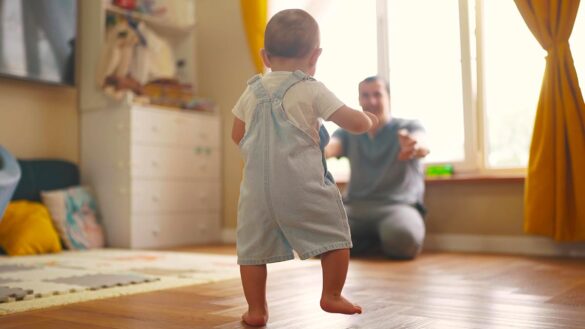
pixel 374 97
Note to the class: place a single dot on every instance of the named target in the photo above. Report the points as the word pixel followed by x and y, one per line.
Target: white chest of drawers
pixel 156 174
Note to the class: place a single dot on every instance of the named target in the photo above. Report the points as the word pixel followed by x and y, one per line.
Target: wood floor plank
pixel 14 322
pixel 438 290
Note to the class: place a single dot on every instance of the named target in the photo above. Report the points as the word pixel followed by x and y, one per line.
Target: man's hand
pixel 409 148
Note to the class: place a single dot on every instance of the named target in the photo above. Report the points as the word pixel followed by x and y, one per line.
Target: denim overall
pixel 288 200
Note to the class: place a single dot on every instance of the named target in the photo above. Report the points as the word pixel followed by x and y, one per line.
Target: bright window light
pixel 513 68
pixel 425 72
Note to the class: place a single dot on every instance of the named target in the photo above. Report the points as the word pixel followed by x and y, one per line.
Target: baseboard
pixel 525 245
pixel 228 235
pixel 520 245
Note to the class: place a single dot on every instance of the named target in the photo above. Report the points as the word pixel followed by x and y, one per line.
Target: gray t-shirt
pixel 376 173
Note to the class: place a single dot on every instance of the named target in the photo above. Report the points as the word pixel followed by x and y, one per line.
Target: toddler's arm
pixel 238 130
pixel 354 121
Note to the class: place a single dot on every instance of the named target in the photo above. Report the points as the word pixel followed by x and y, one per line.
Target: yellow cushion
pixel 26 229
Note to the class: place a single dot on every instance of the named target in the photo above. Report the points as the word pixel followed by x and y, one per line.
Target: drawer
pixel 156 197
pixel 168 128
pixel 152 231
pixel 206 133
pixel 152 126
pixel 166 162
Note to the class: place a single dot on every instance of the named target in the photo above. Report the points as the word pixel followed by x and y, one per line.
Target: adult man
pixel 384 198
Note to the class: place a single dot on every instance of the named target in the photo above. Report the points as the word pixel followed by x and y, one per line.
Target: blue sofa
pixel 44 175
pixel 25 179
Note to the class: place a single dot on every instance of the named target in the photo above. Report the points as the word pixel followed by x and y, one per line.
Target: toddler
pixel 288 199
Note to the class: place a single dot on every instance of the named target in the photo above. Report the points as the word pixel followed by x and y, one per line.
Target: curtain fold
pixel 255 15
pixel 554 197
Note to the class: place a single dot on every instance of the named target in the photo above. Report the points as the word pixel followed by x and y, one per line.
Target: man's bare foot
pixel 338 304
pixel 255 320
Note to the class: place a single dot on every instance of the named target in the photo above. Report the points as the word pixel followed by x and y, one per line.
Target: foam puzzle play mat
pixel 33 282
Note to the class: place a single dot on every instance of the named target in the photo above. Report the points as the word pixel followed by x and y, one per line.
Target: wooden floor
pixel 438 290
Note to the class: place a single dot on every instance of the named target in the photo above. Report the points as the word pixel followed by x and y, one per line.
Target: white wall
pixel 224 66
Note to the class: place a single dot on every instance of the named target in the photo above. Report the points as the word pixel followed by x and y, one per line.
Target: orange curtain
pixel 254 15
pixel 554 197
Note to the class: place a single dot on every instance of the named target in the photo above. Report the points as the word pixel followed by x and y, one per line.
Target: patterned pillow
pixel 74 214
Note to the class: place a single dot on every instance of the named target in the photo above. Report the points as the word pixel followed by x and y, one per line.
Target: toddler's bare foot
pixel 256 320
pixel 338 304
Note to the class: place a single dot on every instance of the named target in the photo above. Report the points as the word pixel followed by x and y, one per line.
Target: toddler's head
pixel 291 33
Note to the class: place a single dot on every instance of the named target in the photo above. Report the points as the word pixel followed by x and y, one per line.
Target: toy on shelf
pixel 439 170
pixel 118 56
pixel 148 53
pixel 125 4
pixel 175 15
pixel 172 93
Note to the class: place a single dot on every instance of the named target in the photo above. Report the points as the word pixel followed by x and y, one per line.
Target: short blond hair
pixel 291 33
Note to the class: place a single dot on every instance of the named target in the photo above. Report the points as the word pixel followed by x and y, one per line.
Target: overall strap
pixel 293 79
pixel 259 91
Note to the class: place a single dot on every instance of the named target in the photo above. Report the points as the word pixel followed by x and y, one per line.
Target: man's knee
pixel 401 242
pixel 400 245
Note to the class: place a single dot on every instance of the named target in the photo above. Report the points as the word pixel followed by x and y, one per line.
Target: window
pixel 469 70
pixel 512 72
pixel 577 42
pixel 425 72
pixel 349 41
pixel 476 93
pixel 350 51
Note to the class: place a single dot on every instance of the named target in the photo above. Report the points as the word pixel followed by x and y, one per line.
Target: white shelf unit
pixel 156 172
pixel 180 36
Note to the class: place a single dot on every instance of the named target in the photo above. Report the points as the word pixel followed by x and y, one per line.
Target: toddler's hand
pixel 375 121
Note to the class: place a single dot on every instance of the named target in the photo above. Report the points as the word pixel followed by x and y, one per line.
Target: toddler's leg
pixel 335 264
pixel 254 283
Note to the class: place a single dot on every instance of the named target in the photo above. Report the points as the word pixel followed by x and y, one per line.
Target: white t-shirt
pixel 304 104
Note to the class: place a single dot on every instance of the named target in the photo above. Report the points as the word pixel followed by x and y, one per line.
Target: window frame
pixel 472 67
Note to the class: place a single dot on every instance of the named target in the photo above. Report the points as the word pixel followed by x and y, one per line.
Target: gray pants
pixel 398 229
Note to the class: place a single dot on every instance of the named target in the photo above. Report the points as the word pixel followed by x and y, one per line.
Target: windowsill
pixel 475 178
pixel 461 179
